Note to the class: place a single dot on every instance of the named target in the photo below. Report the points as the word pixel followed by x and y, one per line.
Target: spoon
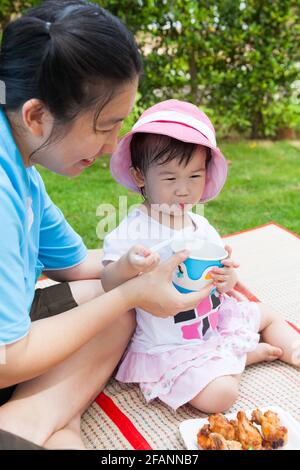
pixel 184 236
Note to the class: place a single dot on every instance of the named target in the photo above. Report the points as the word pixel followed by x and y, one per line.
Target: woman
pixel 71 72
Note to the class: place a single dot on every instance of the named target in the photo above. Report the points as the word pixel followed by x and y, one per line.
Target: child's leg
pixel 218 396
pixel 276 333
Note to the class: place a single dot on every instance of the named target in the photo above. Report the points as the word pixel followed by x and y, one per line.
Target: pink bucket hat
pixel 182 121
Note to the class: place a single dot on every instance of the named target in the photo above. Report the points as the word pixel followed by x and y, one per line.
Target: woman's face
pixel 80 147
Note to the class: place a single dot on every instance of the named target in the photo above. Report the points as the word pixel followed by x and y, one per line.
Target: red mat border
pixel 123 423
pixel 272 222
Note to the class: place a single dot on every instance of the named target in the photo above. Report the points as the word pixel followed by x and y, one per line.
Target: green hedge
pixel 236 59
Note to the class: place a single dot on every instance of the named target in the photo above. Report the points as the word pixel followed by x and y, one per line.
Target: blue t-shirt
pixel 34 236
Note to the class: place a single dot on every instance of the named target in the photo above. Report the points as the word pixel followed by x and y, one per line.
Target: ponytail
pixel 69 54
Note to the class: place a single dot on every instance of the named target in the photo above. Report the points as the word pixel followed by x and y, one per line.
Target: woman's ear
pixel 137 176
pixel 36 117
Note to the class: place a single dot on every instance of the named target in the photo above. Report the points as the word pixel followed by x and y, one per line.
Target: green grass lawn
pixel 263 185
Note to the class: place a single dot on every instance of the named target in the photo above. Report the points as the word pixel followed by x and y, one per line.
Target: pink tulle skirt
pixel 178 375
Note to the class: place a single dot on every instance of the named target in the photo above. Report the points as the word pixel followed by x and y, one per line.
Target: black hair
pixel 75 63
pixel 147 148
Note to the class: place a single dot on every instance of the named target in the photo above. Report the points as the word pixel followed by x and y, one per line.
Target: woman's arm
pixel 52 340
pixel 90 268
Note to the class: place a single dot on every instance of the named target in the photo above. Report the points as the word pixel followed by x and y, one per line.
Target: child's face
pixel 176 186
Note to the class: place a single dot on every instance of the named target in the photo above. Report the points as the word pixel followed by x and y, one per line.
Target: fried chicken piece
pixel 273 433
pixel 203 438
pixel 267 445
pixel 220 425
pixel 234 445
pixel 249 435
pixel 235 426
pixel 208 440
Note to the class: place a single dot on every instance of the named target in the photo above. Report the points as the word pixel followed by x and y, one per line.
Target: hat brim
pixel 216 174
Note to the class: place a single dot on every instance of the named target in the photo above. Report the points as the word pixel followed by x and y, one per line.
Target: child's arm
pixel 137 260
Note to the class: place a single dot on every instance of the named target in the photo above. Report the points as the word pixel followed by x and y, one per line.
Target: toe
pixel 275 352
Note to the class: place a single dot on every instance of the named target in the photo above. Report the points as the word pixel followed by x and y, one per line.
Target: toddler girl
pixel 196 357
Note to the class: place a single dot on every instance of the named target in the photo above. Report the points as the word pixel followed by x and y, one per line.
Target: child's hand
pixel 141 259
pixel 225 278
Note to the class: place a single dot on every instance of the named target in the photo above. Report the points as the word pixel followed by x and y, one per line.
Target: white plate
pixel 189 428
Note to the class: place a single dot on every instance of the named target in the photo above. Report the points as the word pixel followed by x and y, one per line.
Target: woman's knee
pixel 116 337
pixel 68 437
pixel 128 322
pixel 218 396
pixel 74 423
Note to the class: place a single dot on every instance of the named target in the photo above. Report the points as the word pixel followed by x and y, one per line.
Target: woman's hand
pixel 142 260
pixel 155 293
pixel 225 278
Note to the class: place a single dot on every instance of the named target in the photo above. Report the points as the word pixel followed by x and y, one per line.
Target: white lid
pixel 200 249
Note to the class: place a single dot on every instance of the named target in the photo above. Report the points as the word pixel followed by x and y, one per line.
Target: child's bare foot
pixel 264 352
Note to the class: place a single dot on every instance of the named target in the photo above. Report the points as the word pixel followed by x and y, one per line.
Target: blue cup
pixel 194 273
